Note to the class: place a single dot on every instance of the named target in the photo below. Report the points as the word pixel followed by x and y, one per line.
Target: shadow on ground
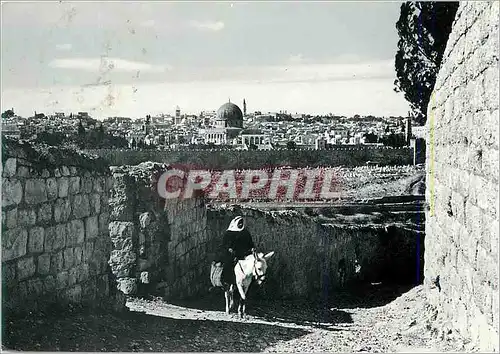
pixel 135 331
pixel 321 312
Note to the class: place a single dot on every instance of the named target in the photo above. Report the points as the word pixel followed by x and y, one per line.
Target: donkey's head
pixel 260 266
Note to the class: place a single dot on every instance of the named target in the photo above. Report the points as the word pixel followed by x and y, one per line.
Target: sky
pixel 137 58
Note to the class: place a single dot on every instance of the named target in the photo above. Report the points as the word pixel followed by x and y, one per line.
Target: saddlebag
pixel 216 274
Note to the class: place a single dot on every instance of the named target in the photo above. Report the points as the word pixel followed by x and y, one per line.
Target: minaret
pixel 244 107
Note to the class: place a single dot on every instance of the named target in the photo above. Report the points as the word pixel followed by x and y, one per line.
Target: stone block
pixel 11 218
pixel 104 223
pixel 121 209
pixel 62 280
pixel 14 243
pixel 9 273
pixel 74 185
pixel 23 171
pixel 88 251
pixel 78 254
pixel 91 227
pixel 69 259
pixel 75 233
pixel 52 188
pixel 73 171
pixel 26 217
pixel 35 191
pixel 95 204
pixel 128 286
pixel 36 240
pixel 81 206
pixel 25 267
pixel 122 234
pixel 87 184
pixel 12 192
pixel 56 262
pixel 61 231
pixel 9 167
pixel 44 264
pixel 65 171
pixel 62 210
pixel 122 262
pixel 99 184
pixel 63 187
pixel 45 213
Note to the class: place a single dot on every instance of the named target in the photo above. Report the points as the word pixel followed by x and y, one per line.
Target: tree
pixel 423 29
pixel 8 113
pixel 81 129
pixel 291 145
pixel 370 138
pixel 53 139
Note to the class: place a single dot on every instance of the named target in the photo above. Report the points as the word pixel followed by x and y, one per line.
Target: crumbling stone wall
pixel 159 246
pixel 165 247
pixel 55 241
pixel 312 259
pixel 462 223
pixel 346 155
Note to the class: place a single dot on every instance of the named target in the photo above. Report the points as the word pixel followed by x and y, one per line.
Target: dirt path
pixel 360 324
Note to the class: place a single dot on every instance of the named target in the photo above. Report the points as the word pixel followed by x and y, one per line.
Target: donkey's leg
pixel 240 307
pixel 231 297
pixel 226 295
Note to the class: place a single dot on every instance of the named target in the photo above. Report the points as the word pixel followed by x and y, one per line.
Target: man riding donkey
pixel 236 244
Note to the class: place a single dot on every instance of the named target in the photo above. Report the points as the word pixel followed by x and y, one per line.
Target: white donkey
pixel 253 267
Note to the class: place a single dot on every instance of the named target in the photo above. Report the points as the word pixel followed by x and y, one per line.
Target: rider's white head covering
pixel 237 224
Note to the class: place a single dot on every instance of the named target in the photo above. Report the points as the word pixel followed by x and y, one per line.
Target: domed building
pixel 227 126
pixel 230 114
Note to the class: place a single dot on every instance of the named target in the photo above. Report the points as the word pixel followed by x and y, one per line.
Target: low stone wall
pixel 250 159
pixel 55 241
pixel 159 246
pixel 310 255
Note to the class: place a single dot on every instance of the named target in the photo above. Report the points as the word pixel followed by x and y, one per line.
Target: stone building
pixel 255 137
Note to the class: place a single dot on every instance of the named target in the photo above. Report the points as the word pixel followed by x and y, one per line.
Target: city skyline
pixel 137 59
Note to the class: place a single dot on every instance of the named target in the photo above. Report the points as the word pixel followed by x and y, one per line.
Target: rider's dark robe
pixel 241 242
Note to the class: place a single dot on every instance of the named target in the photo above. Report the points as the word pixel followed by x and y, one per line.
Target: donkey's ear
pixel 269 255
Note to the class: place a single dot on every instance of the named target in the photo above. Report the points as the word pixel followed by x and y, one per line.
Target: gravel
pixel 373 319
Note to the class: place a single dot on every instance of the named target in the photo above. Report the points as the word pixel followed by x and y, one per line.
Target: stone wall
pixel 158 246
pixel 309 254
pixel 55 241
pixel 462 224
pixel 251 159
pixel 164 247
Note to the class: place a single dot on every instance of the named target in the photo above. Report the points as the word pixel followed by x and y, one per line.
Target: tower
pixel 147 126
pixel 244 107
pixel 177 115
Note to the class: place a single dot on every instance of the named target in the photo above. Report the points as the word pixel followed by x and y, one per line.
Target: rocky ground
pixel 374 320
